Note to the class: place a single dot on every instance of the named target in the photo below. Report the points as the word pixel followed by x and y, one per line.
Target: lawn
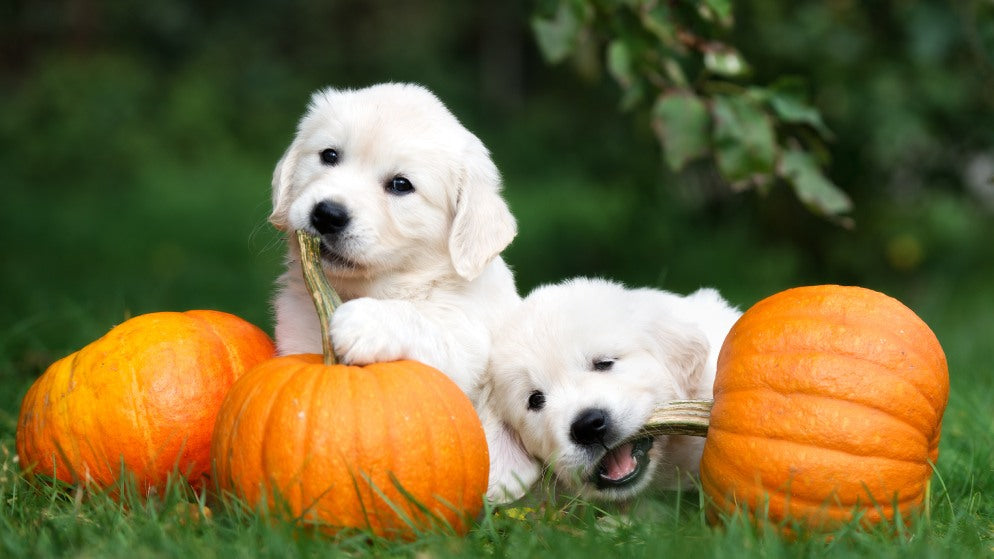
pixel 159 257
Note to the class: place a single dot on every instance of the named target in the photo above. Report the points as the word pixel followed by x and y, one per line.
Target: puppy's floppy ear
pixel 512 469
pixel 282 177
pixel 683 348
pixel 483 225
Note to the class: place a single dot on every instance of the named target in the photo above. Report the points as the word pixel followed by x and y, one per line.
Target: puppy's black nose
pixel 590 426
pixel 330 218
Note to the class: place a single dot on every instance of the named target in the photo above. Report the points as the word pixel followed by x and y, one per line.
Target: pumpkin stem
pixel 326 300
pixel 679 417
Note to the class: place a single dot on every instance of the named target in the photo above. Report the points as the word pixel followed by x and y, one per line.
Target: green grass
pixel 38 520
pixel 64 300
pixel 166 212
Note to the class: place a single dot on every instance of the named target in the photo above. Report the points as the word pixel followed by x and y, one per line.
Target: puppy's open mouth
pixel 624 464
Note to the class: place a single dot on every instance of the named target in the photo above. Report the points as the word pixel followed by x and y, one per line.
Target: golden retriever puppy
pixel 575 373
pixel 408 207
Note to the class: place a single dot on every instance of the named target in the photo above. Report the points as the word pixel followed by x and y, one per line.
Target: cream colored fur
pixel 420 272
pixel 660 346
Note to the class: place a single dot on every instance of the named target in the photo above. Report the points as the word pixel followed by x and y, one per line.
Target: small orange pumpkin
pixel 828 400
pixel 144 396
pixel 390 447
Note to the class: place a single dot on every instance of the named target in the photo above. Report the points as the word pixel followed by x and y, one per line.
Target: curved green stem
pixel 326 300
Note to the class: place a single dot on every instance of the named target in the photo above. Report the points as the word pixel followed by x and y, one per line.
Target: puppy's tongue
pixel 618 463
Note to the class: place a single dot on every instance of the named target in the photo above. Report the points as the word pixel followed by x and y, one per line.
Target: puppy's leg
pixel 368 330
pixel 297 326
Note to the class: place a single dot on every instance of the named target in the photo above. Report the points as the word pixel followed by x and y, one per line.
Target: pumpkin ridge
pixel 390 494
pixel 233 360
pixel 317 394
pixel 842 299
pixel 60 408
pixel 461 445
pixel 813 445
pixel 830 398
pixel 63 382
pixel 458 447
pixel 293 490
pixel 914 358
pixel 747 478
pixel 883 369
pixel 748 486
pixel 396 487
pixel 826 512
pixel 342 459
pixel 236 421
pixel 362 481
pixel 431 443
pixel 308 443
pixel 800 318
pixel 270 432
pixel 140 415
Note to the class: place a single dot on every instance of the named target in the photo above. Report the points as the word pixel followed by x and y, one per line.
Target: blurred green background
pixel 137 142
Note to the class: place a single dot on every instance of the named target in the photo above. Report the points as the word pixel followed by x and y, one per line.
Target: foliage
pixel 676 56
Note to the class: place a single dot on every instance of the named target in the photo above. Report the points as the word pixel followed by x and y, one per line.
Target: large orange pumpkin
pixel 828 401
pixel 364 447
pixel 144 396
pixel 394 448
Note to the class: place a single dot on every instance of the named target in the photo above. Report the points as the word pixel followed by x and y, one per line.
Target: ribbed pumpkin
pixel 144 396
pixel 390 447
pixel 828 400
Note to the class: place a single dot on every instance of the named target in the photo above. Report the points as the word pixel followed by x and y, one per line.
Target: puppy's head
pixel 575 374
pixel 392 182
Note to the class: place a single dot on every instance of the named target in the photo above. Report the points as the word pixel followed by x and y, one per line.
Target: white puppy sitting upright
pixel 407 204
pixel 576 372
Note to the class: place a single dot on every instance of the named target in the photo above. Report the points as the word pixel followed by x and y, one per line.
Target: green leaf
pixel 658 21
pixel 681 121
pixel 744 141
pixel 557 36
pixel 724 61
pixel 632 97
pixel 718 11
pixel 673 71
pixel 619 63
pixel 787 99
pixel 812 187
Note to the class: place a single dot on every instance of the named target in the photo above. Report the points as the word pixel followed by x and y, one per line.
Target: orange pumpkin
pixel 144 396
pixel 345 446
pixel 828 401
pixel 391 447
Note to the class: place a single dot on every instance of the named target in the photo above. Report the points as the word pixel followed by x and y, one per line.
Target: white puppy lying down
pixel 407 203
pixel 577 370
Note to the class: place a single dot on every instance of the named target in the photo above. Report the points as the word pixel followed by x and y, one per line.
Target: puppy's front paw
pixel 366 331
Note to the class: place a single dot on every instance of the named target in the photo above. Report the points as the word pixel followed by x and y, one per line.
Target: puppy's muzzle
pixel 620 467
pixel 590 427
pixel 330 218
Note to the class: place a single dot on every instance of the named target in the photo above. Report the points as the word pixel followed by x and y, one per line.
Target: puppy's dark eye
pixel 399 185
pixel 536 401
pixel 329 156
pixel 603 363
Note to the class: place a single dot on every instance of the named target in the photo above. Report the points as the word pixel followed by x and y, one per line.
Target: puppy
pixel 408 207
pixel 575 373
